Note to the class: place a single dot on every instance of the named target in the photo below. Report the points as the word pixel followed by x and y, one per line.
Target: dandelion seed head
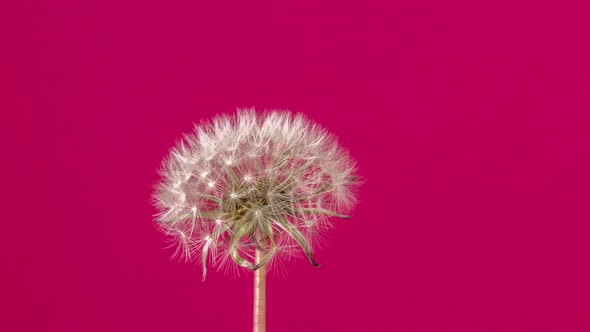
pixel 271 181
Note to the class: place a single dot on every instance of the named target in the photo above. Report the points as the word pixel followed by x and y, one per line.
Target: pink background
pixel 468 120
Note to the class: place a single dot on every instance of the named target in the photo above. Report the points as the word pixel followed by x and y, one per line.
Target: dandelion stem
pixel 260 295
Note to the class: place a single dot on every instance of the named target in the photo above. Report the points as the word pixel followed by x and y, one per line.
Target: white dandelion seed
pixel 252 188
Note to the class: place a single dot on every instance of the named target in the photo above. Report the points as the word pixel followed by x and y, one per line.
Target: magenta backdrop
pixel 468 120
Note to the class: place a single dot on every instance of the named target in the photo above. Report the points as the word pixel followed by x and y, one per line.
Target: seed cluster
pixel 255 181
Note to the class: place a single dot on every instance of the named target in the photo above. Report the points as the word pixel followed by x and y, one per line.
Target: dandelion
pixel 254 189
